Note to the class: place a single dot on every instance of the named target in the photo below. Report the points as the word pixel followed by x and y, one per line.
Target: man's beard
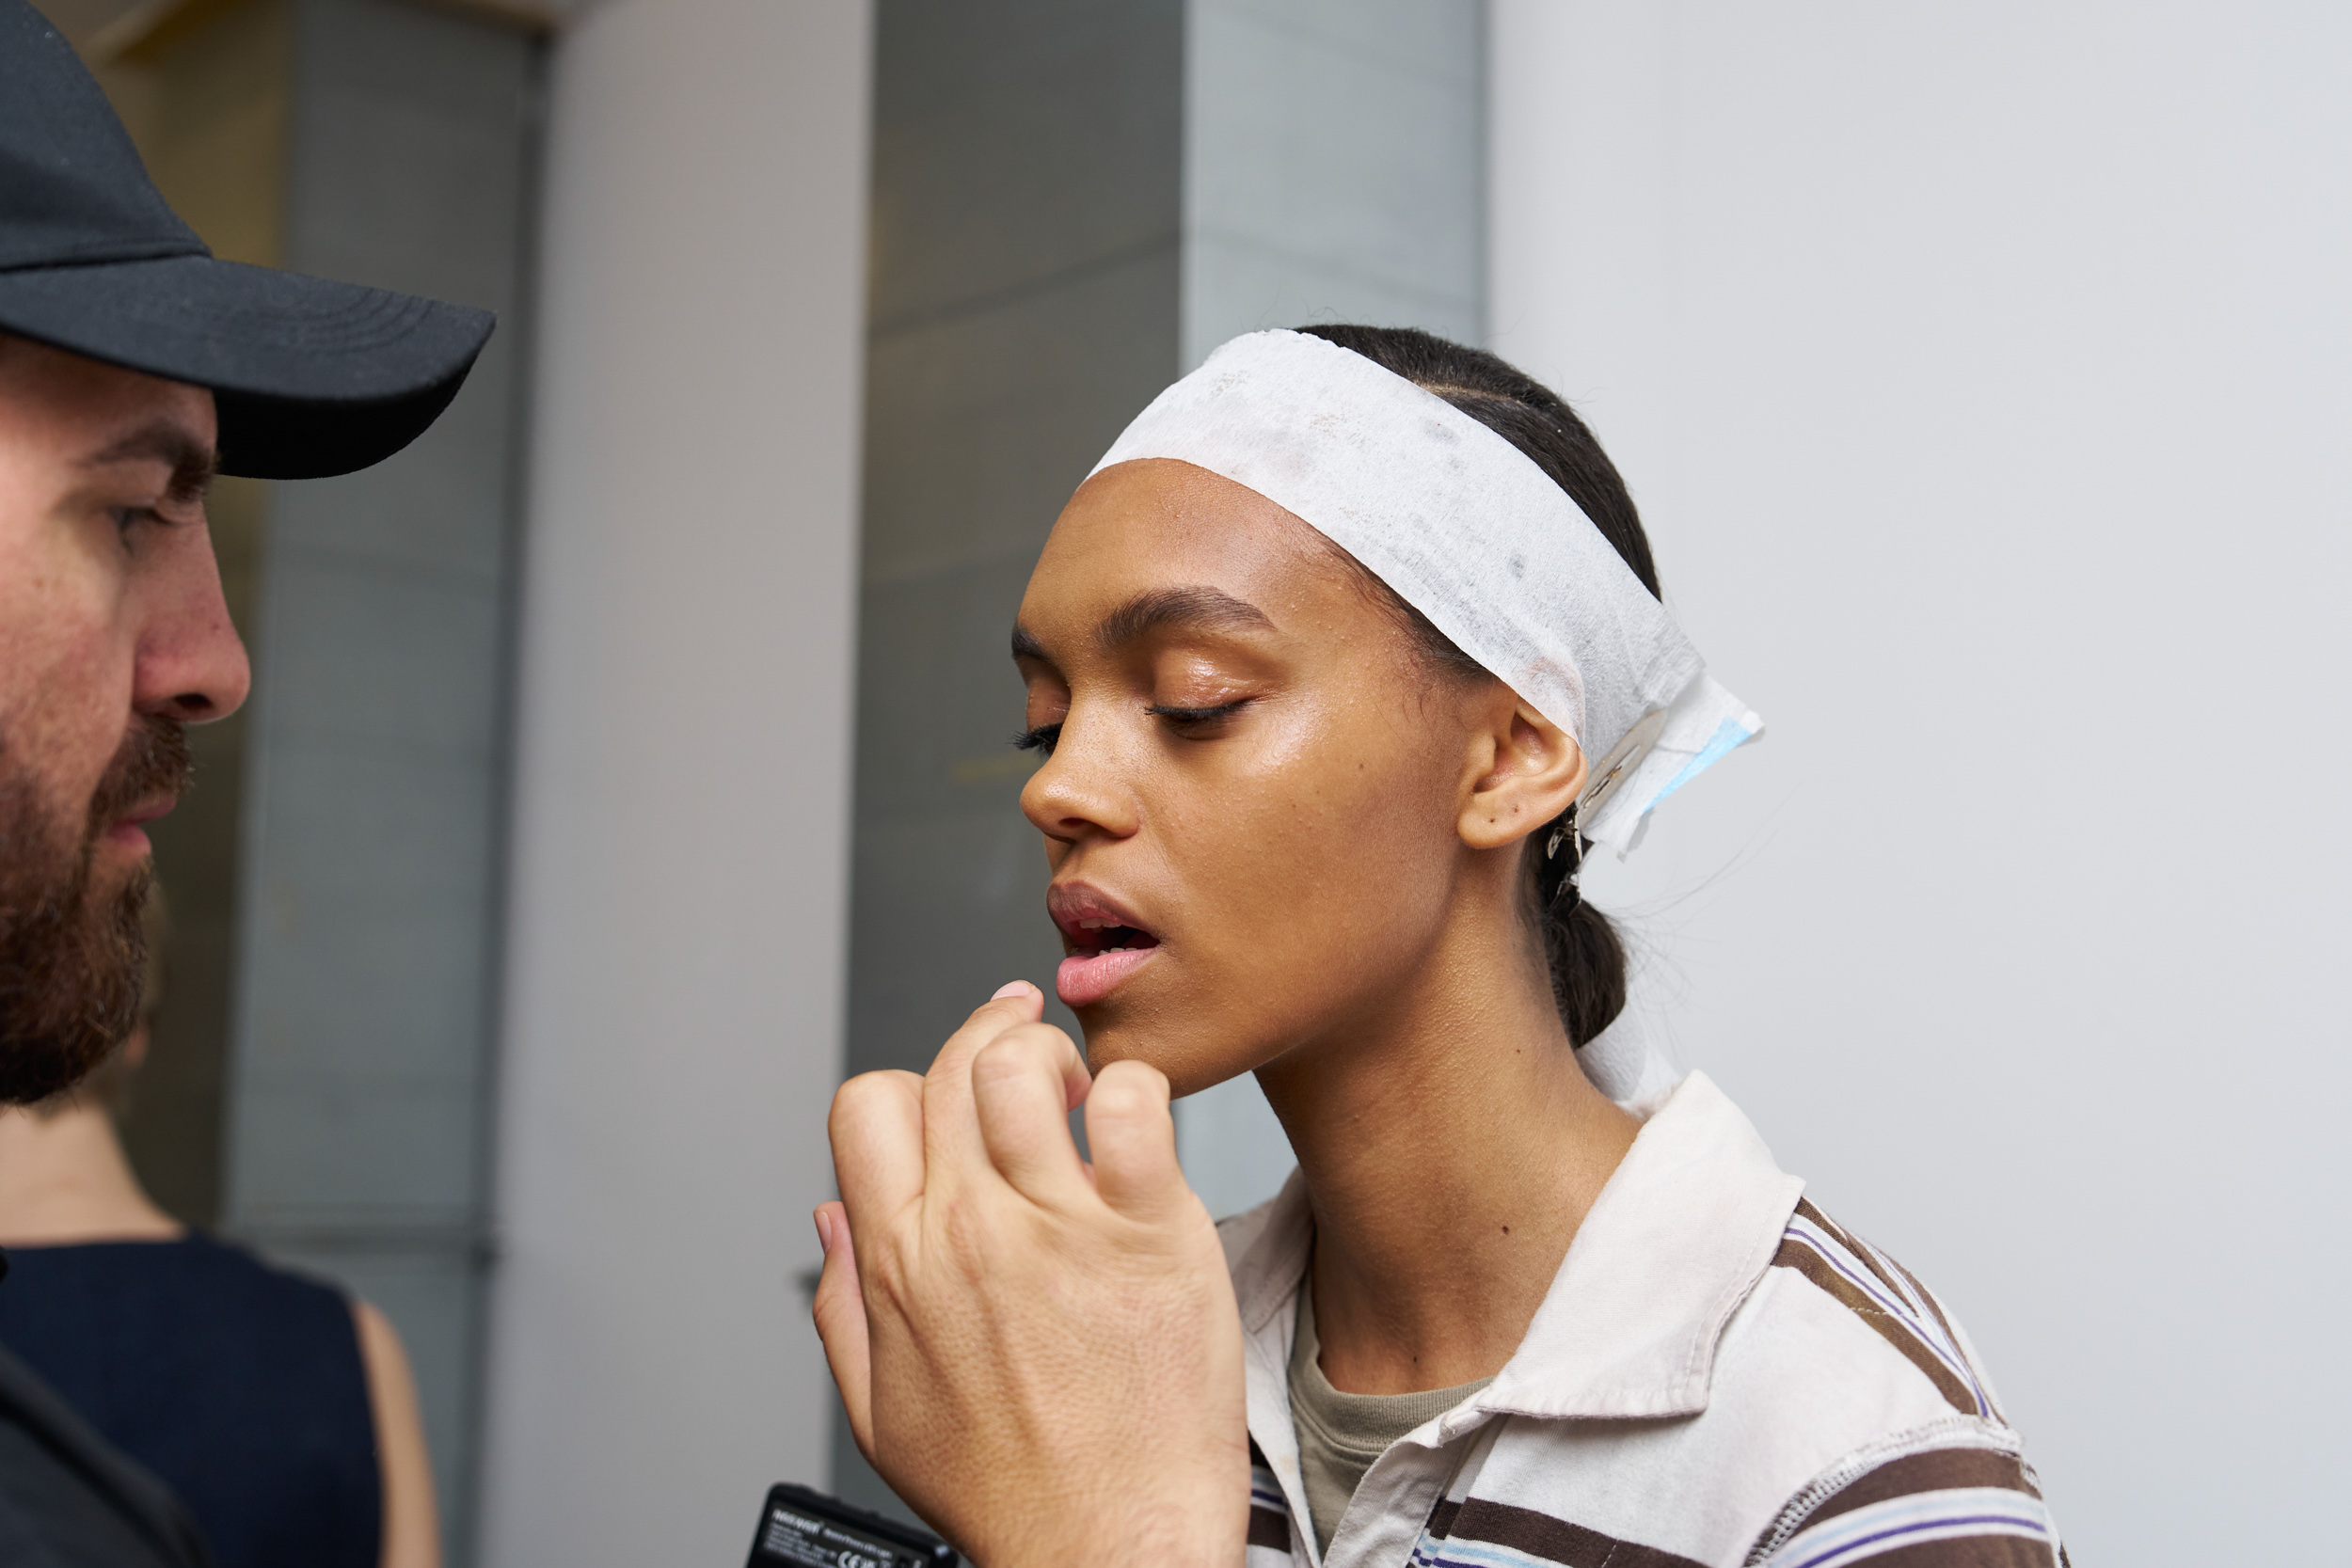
pixel 72 957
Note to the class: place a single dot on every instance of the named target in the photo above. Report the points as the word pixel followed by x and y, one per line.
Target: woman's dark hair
pixel 1586 958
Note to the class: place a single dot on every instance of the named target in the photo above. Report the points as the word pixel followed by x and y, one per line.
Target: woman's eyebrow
pixel 1159 609
pixel 1179 609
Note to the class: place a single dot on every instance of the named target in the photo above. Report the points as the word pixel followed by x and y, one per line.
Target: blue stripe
pixel 2034 1526
pixel 1468 1554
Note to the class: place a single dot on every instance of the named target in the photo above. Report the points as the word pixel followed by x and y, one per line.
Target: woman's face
pixel 1251 782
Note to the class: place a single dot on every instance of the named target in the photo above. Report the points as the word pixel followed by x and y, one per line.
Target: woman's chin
pixel 1189 1064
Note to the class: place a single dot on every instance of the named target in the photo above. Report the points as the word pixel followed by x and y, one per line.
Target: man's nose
pixel 192 664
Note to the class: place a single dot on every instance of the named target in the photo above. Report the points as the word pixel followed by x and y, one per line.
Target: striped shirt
pixel 1720 1374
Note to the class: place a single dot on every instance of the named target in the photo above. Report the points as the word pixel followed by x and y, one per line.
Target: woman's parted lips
pixel 1087 914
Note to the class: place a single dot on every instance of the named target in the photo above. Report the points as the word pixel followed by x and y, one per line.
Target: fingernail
pixel 1012 987
pixel 824 1231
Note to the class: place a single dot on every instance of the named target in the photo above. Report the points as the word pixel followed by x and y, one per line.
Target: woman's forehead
pixel 1158 526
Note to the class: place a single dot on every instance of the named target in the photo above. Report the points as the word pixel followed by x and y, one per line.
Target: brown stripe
pixel 1848 1240
pixel 1257 1457
pixel 1540 1535
pixel 1441 1518
pixel 1268 1529
pixel 1795 1254
pixel 1928 1296
pixel 1936 1470
pixel 1969 1551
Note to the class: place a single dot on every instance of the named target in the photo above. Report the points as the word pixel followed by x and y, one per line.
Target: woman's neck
pixel 1451 1149
pixel 63 1179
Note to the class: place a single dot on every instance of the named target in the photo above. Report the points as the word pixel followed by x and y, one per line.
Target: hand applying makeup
pixel 1042 1356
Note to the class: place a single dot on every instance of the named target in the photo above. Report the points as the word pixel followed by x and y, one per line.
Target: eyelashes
pixel 1185 717
pixel 1045 738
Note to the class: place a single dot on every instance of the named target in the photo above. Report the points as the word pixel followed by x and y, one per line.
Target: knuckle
pixel 1129 1089
pixel 863 1095
pixel 1013 1054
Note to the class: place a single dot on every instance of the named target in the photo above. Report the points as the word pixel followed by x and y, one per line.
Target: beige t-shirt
pixel 1341 1434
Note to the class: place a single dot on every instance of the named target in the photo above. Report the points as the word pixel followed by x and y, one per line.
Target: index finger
pixel 951 1126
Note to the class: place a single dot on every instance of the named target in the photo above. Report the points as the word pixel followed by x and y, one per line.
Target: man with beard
pixel 133 366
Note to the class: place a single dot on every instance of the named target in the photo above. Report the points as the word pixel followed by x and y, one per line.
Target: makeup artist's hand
pixel 1045 1360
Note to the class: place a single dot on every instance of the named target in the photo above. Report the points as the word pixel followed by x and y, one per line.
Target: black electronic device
pixel 808 1530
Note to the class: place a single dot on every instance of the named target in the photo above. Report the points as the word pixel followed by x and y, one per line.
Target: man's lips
pixel 131 827
pixel 1105 941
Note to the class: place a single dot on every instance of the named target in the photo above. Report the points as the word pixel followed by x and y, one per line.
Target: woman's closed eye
pixel 1192 720
pixel 1186 720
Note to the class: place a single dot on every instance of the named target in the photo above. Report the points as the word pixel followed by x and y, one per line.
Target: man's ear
pixel 1523 771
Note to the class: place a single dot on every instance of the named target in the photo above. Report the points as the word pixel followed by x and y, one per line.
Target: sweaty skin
pixel 1281 843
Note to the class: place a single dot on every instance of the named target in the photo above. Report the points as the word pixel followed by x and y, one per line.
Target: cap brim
pixel 312 377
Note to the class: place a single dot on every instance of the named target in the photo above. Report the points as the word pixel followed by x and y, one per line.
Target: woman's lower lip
pixel 1086 979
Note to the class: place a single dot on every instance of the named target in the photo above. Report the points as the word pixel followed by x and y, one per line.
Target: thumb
pixel 841 1313
pixel 1133 1139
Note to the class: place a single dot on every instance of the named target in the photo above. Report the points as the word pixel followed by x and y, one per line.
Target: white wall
pixel 1985 373
pixel 675 965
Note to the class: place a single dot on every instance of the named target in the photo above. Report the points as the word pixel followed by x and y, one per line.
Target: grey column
pixel 361 1050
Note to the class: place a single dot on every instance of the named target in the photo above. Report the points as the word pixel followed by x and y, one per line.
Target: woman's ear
pixel 1524 771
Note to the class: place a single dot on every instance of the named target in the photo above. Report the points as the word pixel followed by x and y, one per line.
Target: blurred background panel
pixel 627 759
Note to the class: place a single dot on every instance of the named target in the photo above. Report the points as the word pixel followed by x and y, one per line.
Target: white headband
pixel 1471 532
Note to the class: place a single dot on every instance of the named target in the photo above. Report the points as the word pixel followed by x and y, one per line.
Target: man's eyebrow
pixel 192 461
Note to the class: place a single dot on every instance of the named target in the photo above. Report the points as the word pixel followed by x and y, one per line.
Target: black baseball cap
pixel 312 377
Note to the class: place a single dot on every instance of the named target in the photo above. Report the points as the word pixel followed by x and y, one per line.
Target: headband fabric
pixel 1467 530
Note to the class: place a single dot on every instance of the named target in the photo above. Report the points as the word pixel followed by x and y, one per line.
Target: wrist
pixel 1162 1533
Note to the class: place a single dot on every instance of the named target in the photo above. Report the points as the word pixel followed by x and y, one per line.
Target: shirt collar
pixel 1680 1234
